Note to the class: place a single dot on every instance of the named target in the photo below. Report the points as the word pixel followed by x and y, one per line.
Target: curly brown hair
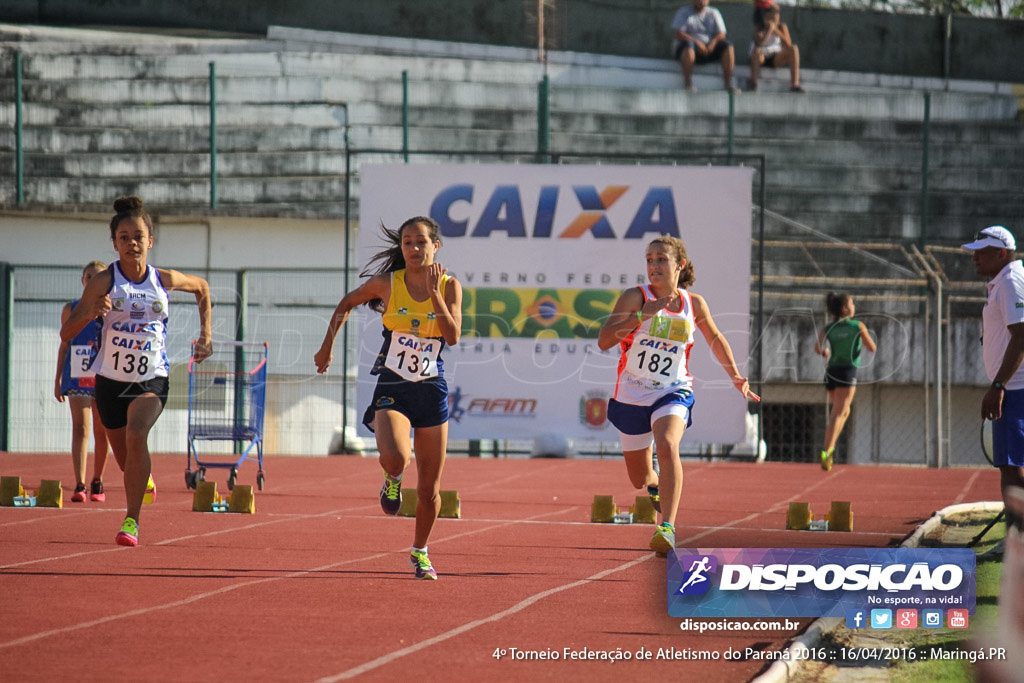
pixel 678 251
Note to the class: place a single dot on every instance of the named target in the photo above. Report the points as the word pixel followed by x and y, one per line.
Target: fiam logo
pixel 696 579
pixel 460 406
pixel 505 211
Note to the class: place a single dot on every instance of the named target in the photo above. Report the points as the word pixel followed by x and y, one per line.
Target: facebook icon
pixel 856 618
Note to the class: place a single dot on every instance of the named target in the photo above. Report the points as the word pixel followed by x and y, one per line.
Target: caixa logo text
pixel 830 577
pixel 461 211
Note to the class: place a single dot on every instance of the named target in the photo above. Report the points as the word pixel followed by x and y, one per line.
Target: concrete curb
pixel 781 670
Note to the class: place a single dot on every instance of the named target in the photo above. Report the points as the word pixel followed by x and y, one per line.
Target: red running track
pixel 316 587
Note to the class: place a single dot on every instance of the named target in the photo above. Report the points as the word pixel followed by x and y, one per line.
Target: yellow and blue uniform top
pixel 408 316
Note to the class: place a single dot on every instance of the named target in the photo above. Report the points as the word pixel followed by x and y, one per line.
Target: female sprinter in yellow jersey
pixel 654 327
pixel 422 312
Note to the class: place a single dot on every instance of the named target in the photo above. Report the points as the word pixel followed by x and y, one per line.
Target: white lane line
pixel 208 594
pixel 523 604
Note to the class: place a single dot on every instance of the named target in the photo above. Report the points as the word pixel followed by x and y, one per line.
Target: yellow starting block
pixel 451 505
pixel 10 488
pixel 603 509
pixel 840 517
pixel 799 516
pixel 205 496
pixel 206 499
pixel 242 500
pixel 50 494
pixel 643 511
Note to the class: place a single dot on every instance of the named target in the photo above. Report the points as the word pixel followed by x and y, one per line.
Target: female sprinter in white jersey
pixel 132 367
pixel 422 312
pixel 653 397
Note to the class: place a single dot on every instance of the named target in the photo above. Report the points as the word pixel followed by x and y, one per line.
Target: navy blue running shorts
pixel 424 403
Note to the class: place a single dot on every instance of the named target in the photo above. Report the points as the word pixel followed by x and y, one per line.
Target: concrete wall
pixel 872 42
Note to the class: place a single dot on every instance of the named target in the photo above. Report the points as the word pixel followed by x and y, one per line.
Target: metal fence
pixel 917 402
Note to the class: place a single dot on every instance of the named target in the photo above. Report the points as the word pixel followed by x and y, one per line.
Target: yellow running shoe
pixel 664 540
pixel 150 494
pixel 826 461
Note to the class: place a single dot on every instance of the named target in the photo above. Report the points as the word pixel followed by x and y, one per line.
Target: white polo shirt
pixel 1004 307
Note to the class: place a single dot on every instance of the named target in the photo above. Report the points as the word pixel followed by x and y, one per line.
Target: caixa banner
pixel 817 582
pixel 543 252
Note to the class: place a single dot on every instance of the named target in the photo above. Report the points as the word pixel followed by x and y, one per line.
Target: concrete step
pixel 779 153
pixel 175 191
pixel 39 39
pixel 453 82
pixel 104 140
pixel 184 165
pixel 665 124
pixel 630 69
pixel 176 115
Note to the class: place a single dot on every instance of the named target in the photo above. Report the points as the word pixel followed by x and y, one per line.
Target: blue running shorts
pixel 424 403
pixel 635 423
pixel 1008 431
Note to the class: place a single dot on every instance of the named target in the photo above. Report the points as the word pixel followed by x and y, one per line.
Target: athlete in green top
pixel 840 343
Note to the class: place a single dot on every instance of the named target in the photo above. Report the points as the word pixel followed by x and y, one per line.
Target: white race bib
pixel 413 358
pixel 81 361
pixel 655 363
pixel 128 358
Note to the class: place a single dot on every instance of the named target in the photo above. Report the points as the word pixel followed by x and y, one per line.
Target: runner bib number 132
pixel 413 358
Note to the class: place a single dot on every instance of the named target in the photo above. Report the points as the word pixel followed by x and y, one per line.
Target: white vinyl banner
pixel 543 253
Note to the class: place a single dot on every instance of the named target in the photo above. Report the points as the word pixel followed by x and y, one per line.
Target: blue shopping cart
pixel 227 396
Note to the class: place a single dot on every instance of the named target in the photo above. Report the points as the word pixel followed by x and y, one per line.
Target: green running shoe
pixel 421 563
pixel 652 493
pixel 664 540
pixel 129 533
pixel 826 461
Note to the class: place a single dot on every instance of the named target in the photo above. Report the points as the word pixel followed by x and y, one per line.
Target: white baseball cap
pixel 993 236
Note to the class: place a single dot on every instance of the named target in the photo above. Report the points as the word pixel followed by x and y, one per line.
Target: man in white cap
pixel 993 253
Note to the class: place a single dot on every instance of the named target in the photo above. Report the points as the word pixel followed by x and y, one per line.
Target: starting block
pixel 10 488
pixel 840 517
pixel 50 494
pixel 242 500
pixel 603 509
pixel 206 499
pixel 451 505
pixel 643 511
pixel 799 516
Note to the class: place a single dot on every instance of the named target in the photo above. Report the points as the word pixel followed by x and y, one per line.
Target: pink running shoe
pixel 79 495
pixel 97 491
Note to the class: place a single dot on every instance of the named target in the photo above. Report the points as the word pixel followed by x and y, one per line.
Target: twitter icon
pixel 881 618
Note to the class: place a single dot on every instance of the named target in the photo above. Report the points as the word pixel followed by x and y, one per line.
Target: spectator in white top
pixel 698 33
pixel 773 47
pixel 993 252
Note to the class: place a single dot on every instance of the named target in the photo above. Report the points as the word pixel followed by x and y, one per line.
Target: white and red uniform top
pixel 655 356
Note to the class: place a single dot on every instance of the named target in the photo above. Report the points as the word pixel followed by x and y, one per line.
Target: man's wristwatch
pixel 999 386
